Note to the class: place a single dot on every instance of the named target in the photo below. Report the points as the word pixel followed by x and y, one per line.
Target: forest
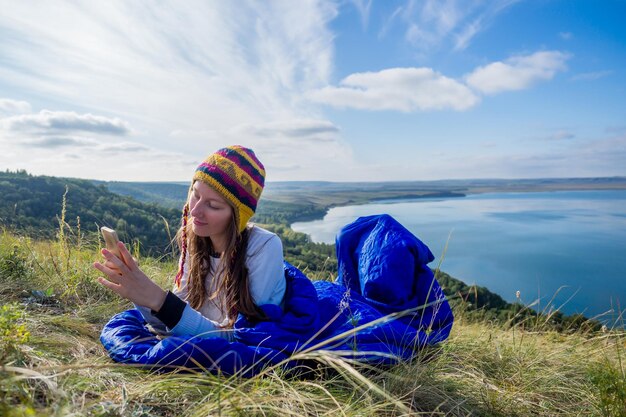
pixel 41 207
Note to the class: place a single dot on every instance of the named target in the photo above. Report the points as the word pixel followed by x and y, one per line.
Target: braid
pixel 181 267
pixel 236 250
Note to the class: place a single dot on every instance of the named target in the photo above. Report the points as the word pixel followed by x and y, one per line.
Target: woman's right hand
pixel 126 279
pixel 112 266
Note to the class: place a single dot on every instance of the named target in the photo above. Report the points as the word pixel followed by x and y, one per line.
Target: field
pixel 53 364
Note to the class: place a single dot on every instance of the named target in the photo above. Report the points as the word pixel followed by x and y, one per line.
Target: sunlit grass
pixel 518 369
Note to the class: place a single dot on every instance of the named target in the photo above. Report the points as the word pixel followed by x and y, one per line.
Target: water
pixel 566 248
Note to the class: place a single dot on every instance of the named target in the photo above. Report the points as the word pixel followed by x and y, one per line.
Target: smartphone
pixel 111 239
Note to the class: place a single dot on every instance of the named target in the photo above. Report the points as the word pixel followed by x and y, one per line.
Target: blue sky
pixel 321 90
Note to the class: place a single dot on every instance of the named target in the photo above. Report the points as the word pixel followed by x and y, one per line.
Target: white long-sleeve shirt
pixel 264 260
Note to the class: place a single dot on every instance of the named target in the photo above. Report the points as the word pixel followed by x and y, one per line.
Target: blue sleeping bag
pixel 384 306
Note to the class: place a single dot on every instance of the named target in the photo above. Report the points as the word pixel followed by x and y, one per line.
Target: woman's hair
pixel 238 176
pixel 233 289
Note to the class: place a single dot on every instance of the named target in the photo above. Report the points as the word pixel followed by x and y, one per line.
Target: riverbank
pixel 562 249
pixel 312 200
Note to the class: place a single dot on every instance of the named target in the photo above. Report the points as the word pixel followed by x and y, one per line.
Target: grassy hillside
pixel 170 195
pixel 501 360
pixel 51 312
pixel 71 210
pixel 37 205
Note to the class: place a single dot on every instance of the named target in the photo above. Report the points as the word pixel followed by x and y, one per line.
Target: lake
pixel 566 249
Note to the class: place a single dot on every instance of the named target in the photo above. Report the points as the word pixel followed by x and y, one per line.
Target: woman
pixel 227 266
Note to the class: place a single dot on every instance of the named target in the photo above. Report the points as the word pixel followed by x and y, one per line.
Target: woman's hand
pixel 126 279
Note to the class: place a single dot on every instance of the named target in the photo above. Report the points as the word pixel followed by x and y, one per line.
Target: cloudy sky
pixel 321 90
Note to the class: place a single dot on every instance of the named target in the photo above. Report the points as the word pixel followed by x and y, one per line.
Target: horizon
pixel 621 177
pixel 357 90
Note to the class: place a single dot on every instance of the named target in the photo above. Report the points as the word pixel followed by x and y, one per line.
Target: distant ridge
pixel 167 194
pixel 285 202
pixel 309 200
pixel 33 205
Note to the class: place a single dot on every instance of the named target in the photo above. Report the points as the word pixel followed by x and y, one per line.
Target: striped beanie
pixel 237 174
pixel 239 177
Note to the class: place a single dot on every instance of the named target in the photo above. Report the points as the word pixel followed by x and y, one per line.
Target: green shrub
pixel 13 262
pixel 13 332
pixel 611 385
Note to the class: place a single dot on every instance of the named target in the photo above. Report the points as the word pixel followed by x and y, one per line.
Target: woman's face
pixel 210 213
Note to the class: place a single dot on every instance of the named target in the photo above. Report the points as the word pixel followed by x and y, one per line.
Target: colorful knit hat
pixel 238 176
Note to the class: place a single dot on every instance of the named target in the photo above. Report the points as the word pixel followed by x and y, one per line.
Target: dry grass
pixel 482 370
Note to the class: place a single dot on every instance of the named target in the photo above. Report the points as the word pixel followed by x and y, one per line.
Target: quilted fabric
pixel 385 305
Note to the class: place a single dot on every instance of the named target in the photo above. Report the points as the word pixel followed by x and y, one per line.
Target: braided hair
pixel 233 283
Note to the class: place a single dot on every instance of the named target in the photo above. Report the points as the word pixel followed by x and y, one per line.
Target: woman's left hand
pixel 126 279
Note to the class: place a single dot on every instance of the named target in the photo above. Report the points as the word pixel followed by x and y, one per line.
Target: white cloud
pixel 584 157
pixel 423 89
pixel 590 76
pixel 10 107
pixel 99 146
pixel 518 72
pixel 307 159
pixel 389 21
pixel 435 20
pixel 477 18
pixel 92 163
pixel 55 121
pixel 464 37
pixel 297 129
pixel 298 148
pixel 419 37
pixel 566 36
pixel 193 67
pixel 123 147
pixel 562 135
pixel 363 7
pixel 309 129
pixel 86 134
pixel 54 142
pixel 291 149
pixel 403 89
pixel 432 23
pixel 616 130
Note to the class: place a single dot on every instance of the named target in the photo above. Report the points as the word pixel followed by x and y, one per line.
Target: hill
pixel 286 202
pixel 173 195
pixel 167 194
pixel 38 205
pixel 501 360
pixel 52 363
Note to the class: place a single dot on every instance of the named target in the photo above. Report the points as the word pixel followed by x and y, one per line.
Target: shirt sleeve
pixel 192 322
pixel 266 272
pixel 187 322
pixel 151 319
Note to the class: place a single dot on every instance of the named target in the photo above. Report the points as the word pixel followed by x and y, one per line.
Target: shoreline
pixel 442 195
pixel 612 197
